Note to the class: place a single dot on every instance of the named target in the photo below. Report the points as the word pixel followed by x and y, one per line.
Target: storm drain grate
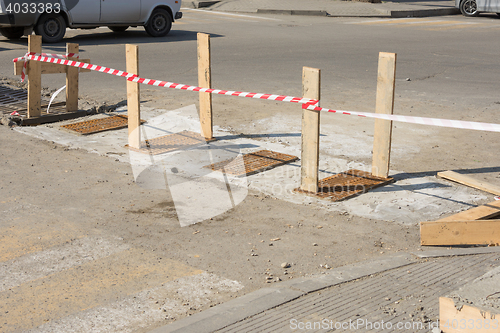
pixel 99 125
pixel 253 162
pixel 17 100
pixel 171 142
pixel 347 184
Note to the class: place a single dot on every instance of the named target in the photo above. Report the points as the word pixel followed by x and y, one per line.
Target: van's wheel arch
pixel 159 23
pixel 51 27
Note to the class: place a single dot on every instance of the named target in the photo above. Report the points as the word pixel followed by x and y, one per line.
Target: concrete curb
pixel 424 12
pixel 199 4
pixel 457 252
pixel 293 12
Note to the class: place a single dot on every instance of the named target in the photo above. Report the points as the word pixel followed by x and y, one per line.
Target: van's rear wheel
pixel 12 33
pixel 51 27
pixel 159 23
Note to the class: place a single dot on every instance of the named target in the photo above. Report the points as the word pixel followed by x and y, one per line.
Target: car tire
pixel 159 23
pixel 12 33
pixel 469 8
pixel 118 29
pixel 51 27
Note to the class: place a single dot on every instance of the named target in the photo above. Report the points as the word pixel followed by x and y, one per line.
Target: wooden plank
pixel 385 105
pixel 34 78
pixel 484 212
pixel 311 85
pixel 475 232
pixel 72 80
pixel 469 181
pixel 468 319
pixel 48 68
pixel 133 98
pixel 52 118
pixel 205 81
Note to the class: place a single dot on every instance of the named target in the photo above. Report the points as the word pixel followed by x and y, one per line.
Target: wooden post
pixel 34 78
pixel 133 98
pixel 72 80
pixel 311 83
pixel 385 105
pixel 205 81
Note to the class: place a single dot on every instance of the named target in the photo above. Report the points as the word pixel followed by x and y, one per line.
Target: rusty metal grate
pixel 347 184
pixel 253 163
pixel 17 100
pixel 99 125
pixel 171 142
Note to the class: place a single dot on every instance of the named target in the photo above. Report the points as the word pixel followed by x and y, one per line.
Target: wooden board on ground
pixel 468 319
pixel 347 184
pixel 469 181
pixel 483 212
pixel 476 232
pixel 252 163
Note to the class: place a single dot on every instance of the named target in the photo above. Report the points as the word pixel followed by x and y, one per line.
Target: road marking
pixel 86 286
pixel 19 240
pixel 37 265
pixel 141 310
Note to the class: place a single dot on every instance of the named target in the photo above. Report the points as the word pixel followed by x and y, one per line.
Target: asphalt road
pixel 451 61
pixel 447 67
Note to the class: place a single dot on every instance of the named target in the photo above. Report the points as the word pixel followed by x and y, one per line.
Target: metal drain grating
pixel 171 142
pixel 347 184
pixel 99 125
pixel 253 162
pixel 17 100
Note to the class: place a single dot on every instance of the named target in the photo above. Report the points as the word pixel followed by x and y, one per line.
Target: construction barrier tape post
pixel 308 103
pixel 26 58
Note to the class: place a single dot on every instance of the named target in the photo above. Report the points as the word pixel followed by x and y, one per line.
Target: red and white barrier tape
pixel 60 56
pixel 308 103
pixel 158 83
pixel 416 120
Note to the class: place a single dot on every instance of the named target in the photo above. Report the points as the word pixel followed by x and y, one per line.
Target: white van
pixel 50 18
pixel 474 7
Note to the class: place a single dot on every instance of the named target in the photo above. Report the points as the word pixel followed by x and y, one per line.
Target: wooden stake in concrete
pixel 34 78
pixel 205 81
pixel 133 98
pixel 384 105
pixel 311 83
pixel 72 80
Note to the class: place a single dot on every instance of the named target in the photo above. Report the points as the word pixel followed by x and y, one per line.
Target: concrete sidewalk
pixel 332 8
pixel 401 289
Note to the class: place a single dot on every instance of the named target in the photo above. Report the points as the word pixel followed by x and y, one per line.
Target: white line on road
pixel 162 304
pixel 56 259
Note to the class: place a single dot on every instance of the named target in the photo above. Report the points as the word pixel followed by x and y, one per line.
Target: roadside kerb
pixel 424 12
